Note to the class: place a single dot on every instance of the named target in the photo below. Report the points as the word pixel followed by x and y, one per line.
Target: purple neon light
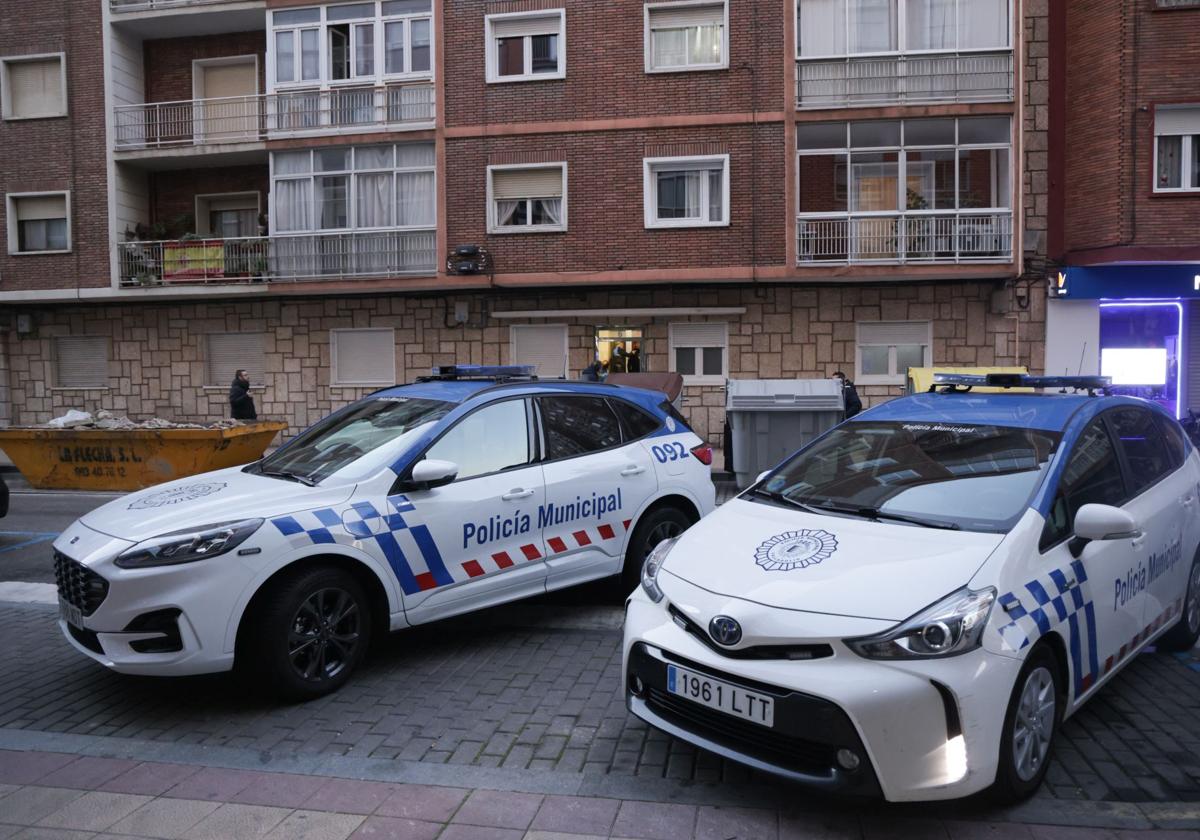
pixel 1133 303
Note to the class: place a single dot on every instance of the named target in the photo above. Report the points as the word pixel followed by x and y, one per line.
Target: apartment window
pixel 699 352
pixel 33 86
pixel 887 349
pixel 832 28
pixel 80 361
pixel 226 353
pixel 366 42
pixel 1178 4
pixel 227 215
pixel 544 346
pixel 523 46
pixel 686 36
pixel 354 187
pixel 363 357
pixel 686 192
pixel 527 198
pixel 1177 149
pixel 39 223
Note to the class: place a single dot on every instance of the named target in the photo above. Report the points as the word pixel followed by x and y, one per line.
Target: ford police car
pixel 466 489
pixel 912 604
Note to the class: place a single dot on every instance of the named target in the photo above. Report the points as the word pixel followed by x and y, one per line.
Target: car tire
pixel 1030 727
pixel 1183 635
pixel 308 632
pixel 657 525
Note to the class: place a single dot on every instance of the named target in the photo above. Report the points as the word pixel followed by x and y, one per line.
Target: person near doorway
pixel 633 364
pixel 241 404
pixel 594 372
pixel 851 400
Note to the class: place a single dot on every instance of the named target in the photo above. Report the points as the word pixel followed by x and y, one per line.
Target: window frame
pixel 336 382
pixel 1066 454
pixel 535 449
pixel 56 385
pixel 648 43
pixel 493 221
pixel 14 235
pixel 893 377
pixel 652 167
pixel 1189 152
pixel 492 52
pixel 6 113
pixel 1127 472
pixel 544 446
pixel 626 434
pixel 698 378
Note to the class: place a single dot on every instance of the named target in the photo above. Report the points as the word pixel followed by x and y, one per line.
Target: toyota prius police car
pixel 912 604
pixel 466 489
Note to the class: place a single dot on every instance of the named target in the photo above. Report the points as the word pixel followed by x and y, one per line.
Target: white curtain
pixel 982 24
pixel 705 44
pixel 930 24
pixel 692 195
pixel 822 27
pixel 669 47
pixel 716 195
pixel 374 200
pixel 505 209
pixel 872 26
pixel 415 199
pixel 292 205
pixel 553 208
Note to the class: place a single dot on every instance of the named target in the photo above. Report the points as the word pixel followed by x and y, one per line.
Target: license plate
pixel 70 613
pixel 715 694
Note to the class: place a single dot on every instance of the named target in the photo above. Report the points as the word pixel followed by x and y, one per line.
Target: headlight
pixel 952 626
pixel 189 545
pixel 652 565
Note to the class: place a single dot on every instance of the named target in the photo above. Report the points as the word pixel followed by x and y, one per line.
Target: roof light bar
pixel 451 372
pixel 963 381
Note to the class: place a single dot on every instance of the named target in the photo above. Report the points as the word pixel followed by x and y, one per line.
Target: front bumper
pixel 926 730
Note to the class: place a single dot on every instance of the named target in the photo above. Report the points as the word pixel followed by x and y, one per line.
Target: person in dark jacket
pixel 852 401
pixel 241 404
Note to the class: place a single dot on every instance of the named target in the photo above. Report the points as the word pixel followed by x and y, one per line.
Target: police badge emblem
pixel 795 550
pixel 177 495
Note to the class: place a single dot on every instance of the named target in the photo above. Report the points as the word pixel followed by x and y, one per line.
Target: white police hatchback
pixel 470 488
pixel 911 605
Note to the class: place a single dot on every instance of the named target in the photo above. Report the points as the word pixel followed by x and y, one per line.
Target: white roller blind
pixel 679 17
pixel 223 80
pixel 227 352
pixel 527 183
pixel 36 87
pixel 363 357
pixel 698 335
pixel 33 207
pixel 518 26
pixel 542 346
pixel 80 361
pixel 894 332
pixel 1177 121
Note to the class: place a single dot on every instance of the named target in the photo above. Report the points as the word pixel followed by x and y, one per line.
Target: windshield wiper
pixel 776 496
pixel 874 513
pixel 303 479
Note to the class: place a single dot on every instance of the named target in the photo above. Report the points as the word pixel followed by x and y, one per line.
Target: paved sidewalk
pixel 57 795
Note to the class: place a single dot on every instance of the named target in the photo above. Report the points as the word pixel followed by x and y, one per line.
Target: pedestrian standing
pixel 241 404
pixel 850 399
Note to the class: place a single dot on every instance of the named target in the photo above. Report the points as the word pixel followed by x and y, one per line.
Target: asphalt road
pixel 34 520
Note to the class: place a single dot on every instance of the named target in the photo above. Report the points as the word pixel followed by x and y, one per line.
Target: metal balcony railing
pixel 240 119
pixel 963 237
pixel 904 79
pixel 273 259
pixel 153 5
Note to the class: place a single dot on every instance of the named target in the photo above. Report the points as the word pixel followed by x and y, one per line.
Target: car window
pixel 577 425
pixel 1144 446
pixel 1092 475
pixel 637 423
pixel 1177 445
pixel 494 438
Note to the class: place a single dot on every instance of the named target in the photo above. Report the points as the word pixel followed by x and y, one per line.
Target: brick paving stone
pixel 474 832
pixel 240 821
pixel 166 818
pixel 150 778
pixel 895 828
pixel 963 830
pixel 576 814
pixel 315 825
pixel 87 772
pixel 22 768
pixel 499 809
pixel 94 811
pixel 818 826
pixel 215 783
pixel 418 802
pixel 392 828
pixel 281 790
pixel 1057 832
pixel 714 823
pixel 30 804
pixel 655 821
pixel 349 796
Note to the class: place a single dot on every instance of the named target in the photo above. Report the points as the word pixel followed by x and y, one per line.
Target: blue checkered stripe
pixel 1055 598
pixel 405 544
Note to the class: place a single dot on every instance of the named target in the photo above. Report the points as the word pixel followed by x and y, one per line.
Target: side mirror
pixel 1102 522
pixel 431 473
pixel 762 475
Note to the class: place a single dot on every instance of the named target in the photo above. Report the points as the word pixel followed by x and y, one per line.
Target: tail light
pixel 704 453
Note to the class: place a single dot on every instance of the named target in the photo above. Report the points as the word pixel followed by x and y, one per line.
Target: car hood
pixel 221 496
pixel 834 565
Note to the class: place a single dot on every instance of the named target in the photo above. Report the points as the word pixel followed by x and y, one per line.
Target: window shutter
pixel 680 17
pixel 698 335
pixel 1177 121
pixel 364 357
pixel 545 347
pixel 527 183
pixel 894 332
pixel 32 207
pixel 518 26
pixel 80 361
pixel 227 352
pixel 36 87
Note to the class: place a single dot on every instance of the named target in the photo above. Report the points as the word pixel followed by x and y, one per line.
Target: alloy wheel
pixel 324 634
pixel 661 531
pixel 1034 724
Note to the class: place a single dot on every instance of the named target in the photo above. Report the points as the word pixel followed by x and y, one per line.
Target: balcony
pixel 248 119
pixel 156 5
pixel 897 239
pixel 278 259
pixel 904 80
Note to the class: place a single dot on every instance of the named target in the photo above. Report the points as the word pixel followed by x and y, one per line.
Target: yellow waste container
pixel 130 459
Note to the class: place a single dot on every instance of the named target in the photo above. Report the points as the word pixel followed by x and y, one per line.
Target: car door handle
pixel 633 469
pixel 1186 501
pixel 516 493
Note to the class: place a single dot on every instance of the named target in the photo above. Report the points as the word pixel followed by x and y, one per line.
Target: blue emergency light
pixel 951 382
pixel 452 372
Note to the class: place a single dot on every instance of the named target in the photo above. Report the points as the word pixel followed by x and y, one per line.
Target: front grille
pixel 787 751
pixel 799 652
pixel 78 585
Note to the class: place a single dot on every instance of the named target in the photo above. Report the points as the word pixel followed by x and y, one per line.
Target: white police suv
pixel 463 490
pixel 912 604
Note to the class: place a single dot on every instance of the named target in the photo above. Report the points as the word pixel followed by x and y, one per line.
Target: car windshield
pixel 347 435
pixel 950 475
